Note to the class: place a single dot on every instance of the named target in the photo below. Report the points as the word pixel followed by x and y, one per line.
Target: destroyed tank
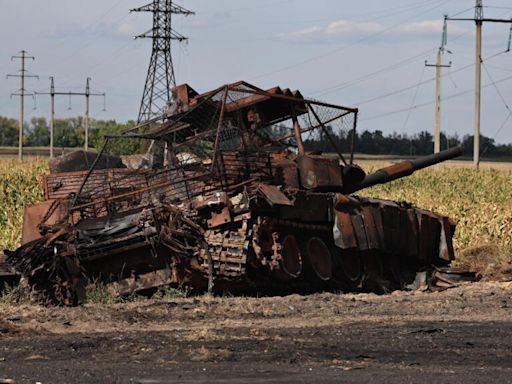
pixel 230 197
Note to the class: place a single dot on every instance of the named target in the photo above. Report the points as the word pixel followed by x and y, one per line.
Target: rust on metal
pixel 228 198
pixel 274 196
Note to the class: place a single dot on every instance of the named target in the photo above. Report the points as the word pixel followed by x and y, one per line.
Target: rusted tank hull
pixel 322 241
pixel 231 200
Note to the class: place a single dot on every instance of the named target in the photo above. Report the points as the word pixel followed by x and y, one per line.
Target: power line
pixel 398 91
pixel 496 88
pixel 271 4
pixel 494 7
pixel 409 60
pixel 88 44
pixel 417 106
pixel 113 55
pixel 314 58
pixel 464 11
pixel 414 98
pixel 507 118
pixel 96 21
pixel 395 92
pixel 346 84
pixel 509 114
pixel 381 14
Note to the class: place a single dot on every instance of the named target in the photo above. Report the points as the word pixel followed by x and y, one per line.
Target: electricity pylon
pixel 160 78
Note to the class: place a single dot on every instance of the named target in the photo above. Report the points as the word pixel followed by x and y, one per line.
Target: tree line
pixel 69 132
pixel 418 144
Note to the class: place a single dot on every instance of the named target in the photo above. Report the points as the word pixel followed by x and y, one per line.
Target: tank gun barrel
pixel 404 168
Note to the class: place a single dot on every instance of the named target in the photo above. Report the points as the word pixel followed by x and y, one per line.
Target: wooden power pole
pixel 439 66
pixel 479 20
pixel 87 95
pixel 22 93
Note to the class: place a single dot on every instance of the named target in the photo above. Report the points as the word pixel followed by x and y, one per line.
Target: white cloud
pixel 126 30
pixel 308 35
pixel 422 27
pixel 348 28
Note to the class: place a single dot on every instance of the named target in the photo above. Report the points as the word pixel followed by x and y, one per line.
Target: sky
pixel 367 54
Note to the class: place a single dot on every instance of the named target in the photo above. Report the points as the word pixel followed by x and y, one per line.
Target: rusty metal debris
pixel 7 273
pixel 229 199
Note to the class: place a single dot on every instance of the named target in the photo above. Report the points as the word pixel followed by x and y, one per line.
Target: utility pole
pixel 479 21
pixel 479 15
pixel 22 93
pixel 86 123
pixel 87 95
pixel 52 114
pixel 439 66
pixel 160 78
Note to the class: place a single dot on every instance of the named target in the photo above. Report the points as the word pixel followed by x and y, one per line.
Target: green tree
pixel 117 146
pixel 8 132
pixel 38 134
pixel 69 132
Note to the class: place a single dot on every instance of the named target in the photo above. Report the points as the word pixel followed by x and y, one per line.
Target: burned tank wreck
pixel 230 200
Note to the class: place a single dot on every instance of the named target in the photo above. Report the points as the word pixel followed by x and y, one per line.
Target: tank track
pixel 228 249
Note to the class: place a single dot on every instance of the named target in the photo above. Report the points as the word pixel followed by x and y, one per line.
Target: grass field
pixel 479 201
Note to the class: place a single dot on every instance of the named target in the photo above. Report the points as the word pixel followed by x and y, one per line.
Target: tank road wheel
pixel 278 253
pixel 351 265
pixel 320 258
pixel 291 259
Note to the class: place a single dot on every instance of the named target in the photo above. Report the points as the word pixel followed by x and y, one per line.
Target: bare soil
pixel 456 336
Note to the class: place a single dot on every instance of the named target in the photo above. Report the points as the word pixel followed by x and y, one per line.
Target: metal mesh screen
pixel 180 155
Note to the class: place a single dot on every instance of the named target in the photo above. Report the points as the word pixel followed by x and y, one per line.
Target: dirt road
pixel 458 336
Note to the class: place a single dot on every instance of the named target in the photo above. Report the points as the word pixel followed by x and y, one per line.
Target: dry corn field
pixel 479 201
pixel 20 184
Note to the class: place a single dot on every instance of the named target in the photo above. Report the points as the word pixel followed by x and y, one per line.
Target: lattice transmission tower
pixel 160 78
